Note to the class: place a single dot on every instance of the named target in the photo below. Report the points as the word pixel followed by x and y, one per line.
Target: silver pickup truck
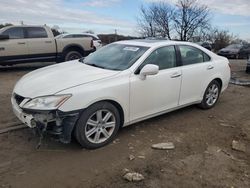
pixel 21 44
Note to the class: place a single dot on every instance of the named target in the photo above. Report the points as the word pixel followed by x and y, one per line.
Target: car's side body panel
pixel 154 94
pixel 194 77
pixel 115 88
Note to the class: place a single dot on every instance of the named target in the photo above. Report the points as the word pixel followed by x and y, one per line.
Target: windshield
pixel 115 56
pixel 234 46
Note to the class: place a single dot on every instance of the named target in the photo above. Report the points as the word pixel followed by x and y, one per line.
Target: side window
pixel 191 55
pixel 15 33
pixel 164 57
pixel 206 57
pixel 36 32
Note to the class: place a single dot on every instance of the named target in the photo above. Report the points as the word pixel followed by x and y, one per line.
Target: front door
pixel 14 48
pixel 157 93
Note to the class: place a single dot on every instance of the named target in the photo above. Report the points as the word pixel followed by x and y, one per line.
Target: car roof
pixel 154 43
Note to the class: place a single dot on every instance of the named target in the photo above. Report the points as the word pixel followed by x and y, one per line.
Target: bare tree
pixel 155 21
pixel 220 38
pixel 189 17
pixel 182 21
pixel 146 22
pixel 163 15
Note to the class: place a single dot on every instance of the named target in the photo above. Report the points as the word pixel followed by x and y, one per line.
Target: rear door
pixel 197 68
pixel 40 45
pixel 14 48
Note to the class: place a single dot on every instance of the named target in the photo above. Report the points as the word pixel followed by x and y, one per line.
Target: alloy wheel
pixel 100 126
pixel 212 94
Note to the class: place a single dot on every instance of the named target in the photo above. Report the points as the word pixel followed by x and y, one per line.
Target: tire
pixel 92 130
pixel 211 95
pixel 72 55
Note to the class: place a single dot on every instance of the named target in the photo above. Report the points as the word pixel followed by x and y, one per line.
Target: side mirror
pixel 148 69
pixel 4 37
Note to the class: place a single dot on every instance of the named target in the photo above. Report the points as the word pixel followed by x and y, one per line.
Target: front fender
pixel 115 89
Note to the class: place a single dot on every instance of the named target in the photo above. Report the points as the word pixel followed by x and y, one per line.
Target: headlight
pixel 47 102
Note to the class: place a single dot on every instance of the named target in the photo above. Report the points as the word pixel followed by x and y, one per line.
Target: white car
pixel 118 85
pixel 96 40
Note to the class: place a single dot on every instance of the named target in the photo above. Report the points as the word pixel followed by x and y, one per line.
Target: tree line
pixel 187 20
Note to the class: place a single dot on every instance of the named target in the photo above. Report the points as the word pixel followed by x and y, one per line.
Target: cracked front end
pixel 42 114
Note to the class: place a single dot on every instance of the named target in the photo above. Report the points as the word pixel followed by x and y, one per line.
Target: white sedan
pixel 120 84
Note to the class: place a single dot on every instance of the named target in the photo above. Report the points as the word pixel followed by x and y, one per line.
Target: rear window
pixel 36 32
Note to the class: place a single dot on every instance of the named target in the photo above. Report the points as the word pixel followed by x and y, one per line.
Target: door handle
pixel 48 41
pixel 21 43
pixel 175 75
pixel 2 48
pixel 210 67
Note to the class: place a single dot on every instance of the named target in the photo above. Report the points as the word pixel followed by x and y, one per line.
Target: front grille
pixel 19 99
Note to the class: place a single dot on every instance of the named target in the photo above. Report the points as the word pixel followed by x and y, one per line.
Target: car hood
pixel 55 78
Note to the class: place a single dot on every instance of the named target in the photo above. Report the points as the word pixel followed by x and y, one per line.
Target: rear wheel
pixel 211 95
pixel 97 125
pixel 72 55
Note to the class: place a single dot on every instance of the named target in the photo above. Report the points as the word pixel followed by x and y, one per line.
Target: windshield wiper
pixel 82 60
pixel 95 65
pixel 91 64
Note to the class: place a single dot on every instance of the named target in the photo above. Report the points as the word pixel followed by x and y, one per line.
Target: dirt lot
pixel 203 155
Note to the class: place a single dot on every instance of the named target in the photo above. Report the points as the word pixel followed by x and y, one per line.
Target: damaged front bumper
pixel 54 122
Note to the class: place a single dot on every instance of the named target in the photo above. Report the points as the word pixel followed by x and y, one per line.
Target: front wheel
pixel 211 95
pixel 97 125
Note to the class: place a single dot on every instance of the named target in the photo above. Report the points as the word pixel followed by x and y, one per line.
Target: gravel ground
pixel 202 157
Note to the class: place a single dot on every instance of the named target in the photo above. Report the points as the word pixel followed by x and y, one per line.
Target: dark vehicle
pixel 206 45
pixel 235 51
pixel 248 66
pixel 245 52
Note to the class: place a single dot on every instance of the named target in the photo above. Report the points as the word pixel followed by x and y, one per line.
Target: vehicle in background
pixel 118 85
pixel 248 66
pixel 245 51
pixel 232 51
pixel 96 39
pixel 21 44
pixel 206 45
